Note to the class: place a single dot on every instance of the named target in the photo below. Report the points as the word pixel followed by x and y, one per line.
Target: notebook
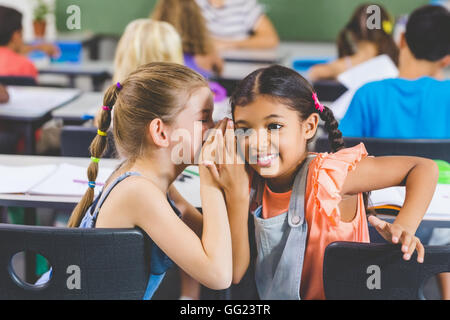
pixel 70 180
pixel 395 196
pixel 55 180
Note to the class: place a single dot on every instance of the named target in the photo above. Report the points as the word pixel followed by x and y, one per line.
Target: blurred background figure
pixel 237 24
pixel 198 47
pixel 356 43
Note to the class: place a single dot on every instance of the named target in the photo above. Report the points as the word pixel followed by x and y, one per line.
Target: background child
pixel 236 24
pixel 289 185
pixel 12 62
pixel 198 48
pixel 145 41
pixel 150 105
pixel 357 43
pixel 400 108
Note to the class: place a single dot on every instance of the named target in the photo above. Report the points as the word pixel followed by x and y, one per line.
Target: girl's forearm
pixel 237 206
pixel 420 186
pixel 216 238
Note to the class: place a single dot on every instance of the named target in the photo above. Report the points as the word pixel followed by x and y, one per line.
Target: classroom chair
pixel 374 271
pixel 75 142
pixel 329 90
pixel 113 263
pixel 428 148
pixel 17 81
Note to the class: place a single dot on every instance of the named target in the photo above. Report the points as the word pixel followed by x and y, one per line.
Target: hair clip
pixel 106 108
pixel 94 159
pixel 102 133
pixel 119 86
pixel 319 106
pixel 387 26
pixel 91 184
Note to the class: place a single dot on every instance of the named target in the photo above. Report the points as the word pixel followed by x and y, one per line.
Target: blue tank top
pixel 159 261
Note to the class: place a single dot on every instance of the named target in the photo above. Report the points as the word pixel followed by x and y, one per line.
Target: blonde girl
pixel 145 41
pixel 153 105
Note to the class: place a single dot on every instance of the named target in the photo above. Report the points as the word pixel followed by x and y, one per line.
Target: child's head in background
pixel 145 41
pixel 427 37
pixel 187 18
pixel 279 108
pixel 152 106
pixel 357 31
pixel 10 28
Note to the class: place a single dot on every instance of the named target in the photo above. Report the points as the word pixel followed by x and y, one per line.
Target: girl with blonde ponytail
pixel 151 106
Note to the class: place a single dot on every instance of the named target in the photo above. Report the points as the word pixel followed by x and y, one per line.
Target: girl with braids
pixel 153 103
pixel 300 202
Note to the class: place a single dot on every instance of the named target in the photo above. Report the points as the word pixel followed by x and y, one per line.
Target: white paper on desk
pixel 439 206
pixel 189 187
pixel 388 196
pixel 20 179
pixel 61 181
pixel 378 68
pixel 34 101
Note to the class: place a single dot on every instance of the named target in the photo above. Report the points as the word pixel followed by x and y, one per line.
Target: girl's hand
pixel 230 173
pixel 395 233
pixel 210 151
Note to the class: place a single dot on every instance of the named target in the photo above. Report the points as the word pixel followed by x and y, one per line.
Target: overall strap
pixel 105 193
pixel 296 212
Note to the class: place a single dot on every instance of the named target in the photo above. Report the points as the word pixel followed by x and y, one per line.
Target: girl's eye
pixel 274 126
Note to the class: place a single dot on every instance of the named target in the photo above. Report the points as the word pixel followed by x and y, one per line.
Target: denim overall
pixel 280 241
pixel 159 261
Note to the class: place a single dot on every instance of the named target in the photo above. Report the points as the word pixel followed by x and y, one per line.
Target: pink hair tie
pixel 119 86
pixel 319 106
pixel 106 108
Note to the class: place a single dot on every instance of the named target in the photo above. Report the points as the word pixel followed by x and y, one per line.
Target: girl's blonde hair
pixel 145 41
pixel 187 18
pixel 155 90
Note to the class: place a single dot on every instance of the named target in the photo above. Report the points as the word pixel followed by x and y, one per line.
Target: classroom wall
pixel 295 20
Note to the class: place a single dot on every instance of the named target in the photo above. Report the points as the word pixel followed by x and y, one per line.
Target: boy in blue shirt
pixel 417 104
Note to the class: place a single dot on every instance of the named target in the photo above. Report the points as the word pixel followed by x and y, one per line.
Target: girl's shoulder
pixel 344 159
pixel 326 177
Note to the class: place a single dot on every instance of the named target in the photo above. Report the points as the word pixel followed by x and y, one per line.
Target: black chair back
pixel 17 81
pixel 432 149
pixel 373 271
pixel 112 263
pixel 75 142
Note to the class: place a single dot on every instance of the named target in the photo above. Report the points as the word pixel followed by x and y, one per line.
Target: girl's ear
pixel 310 126
pixel 158 132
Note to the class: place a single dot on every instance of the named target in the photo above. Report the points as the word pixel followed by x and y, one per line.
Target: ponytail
pixel 97 149
pixel 331 126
